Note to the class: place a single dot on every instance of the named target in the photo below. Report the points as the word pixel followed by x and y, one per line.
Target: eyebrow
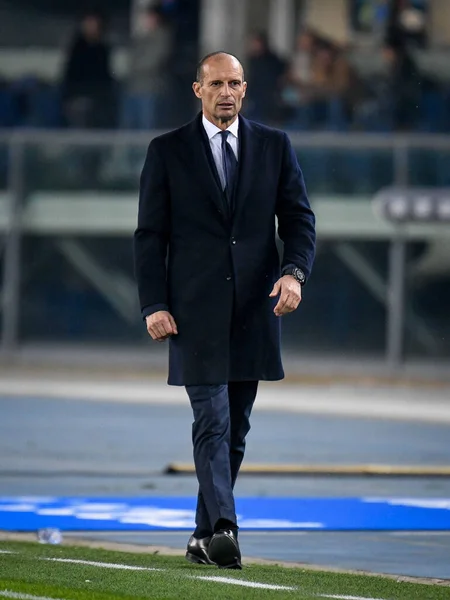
pixel 229 80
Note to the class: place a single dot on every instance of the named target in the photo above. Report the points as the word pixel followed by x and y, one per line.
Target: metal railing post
pixel 396 303
pixel 11 266
pixel 395 326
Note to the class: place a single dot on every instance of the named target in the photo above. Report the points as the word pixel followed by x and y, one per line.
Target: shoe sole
pixel 192 558
pixel 224 553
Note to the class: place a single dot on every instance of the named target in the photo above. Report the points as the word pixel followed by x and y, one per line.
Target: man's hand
pixel 161 325
pixel 290 292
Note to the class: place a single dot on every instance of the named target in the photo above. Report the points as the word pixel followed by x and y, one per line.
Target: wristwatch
pixel 296 273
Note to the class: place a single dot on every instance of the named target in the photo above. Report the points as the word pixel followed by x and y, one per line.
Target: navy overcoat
pixel 213 266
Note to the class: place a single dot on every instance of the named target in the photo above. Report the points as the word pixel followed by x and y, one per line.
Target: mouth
pixel 226 105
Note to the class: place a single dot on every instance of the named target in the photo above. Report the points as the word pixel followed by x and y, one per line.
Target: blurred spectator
pixel 403 85
pixel 396 95
pixel 147 80
pixel 370 16
pixel 326 87
pixel 407 22
pixel 381 17
pixel 301 64
pixel 335 88
pixel 297 84
pixel 87 86
pixel 265 70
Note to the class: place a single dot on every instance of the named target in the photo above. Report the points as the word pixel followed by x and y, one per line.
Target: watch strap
pixel 295 272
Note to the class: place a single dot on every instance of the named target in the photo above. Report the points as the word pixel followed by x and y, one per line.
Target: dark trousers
pixel 221 423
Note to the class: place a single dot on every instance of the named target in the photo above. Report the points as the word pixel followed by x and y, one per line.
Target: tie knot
pixel 224 135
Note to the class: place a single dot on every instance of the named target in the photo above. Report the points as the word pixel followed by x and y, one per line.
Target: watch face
pixel 299 276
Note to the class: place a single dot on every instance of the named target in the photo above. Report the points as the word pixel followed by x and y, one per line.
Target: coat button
pixel 233 241
pixel 229 278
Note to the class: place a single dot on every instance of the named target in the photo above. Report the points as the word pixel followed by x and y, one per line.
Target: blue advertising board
pixel 25 513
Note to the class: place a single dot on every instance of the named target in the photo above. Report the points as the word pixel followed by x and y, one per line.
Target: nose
pixel 225 90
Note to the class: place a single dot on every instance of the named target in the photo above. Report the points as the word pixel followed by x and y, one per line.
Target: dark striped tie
pixel 230 166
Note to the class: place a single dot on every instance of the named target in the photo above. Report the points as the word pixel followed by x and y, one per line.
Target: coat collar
pixel 212 130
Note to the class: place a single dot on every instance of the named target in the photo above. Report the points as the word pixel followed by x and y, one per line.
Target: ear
pixel 197 89
pixel 244 85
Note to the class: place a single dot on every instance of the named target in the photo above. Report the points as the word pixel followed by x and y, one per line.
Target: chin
pixel 227 114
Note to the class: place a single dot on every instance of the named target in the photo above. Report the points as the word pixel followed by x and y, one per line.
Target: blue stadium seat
pixel 36 103
pixel 44 107
pixel 432 111
pixel 336 117
pixel 8 113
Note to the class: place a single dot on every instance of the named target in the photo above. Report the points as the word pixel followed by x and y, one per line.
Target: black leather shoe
pixel 224 549
pixel 197 551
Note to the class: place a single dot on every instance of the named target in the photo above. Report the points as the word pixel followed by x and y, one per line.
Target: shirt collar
pixel 212 130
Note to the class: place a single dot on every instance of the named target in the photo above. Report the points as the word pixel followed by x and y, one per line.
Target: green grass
pixel 26 572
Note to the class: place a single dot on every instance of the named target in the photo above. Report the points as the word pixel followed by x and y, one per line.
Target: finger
pixel 166 326
pixel 297 299
pixel 290 307
pixel 152 332
pixel 281 302
pixel 154 328
pixel 293 303
pixel 150 327
pixel 158 331
pixel 174 325
pixel 276 289
pixel 284 299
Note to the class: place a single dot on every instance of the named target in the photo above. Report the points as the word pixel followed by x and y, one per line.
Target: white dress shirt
pixel 215 141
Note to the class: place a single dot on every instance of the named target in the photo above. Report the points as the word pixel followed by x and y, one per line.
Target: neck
pixel 220 123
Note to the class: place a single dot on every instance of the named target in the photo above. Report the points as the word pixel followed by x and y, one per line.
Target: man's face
pixel 222 89
pixel 388 55
pixel 305 42
pixel 91 27
pixel 151 21
pixel 256 46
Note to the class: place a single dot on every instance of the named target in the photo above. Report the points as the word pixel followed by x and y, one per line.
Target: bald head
pixel 217 57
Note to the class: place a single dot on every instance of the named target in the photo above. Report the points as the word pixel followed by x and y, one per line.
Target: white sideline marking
pixel 18 596
pixel 251 584
pixel 101 564
pixel 217 579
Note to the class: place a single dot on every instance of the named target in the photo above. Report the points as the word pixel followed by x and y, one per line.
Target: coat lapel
pixel 252 146
pixel 197 153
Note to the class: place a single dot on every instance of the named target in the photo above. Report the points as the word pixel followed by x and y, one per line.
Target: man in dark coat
pixel 88 85
pixel 208 274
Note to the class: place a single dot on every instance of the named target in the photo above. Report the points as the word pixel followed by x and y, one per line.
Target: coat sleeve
pixel 296 220
pixel 151 237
